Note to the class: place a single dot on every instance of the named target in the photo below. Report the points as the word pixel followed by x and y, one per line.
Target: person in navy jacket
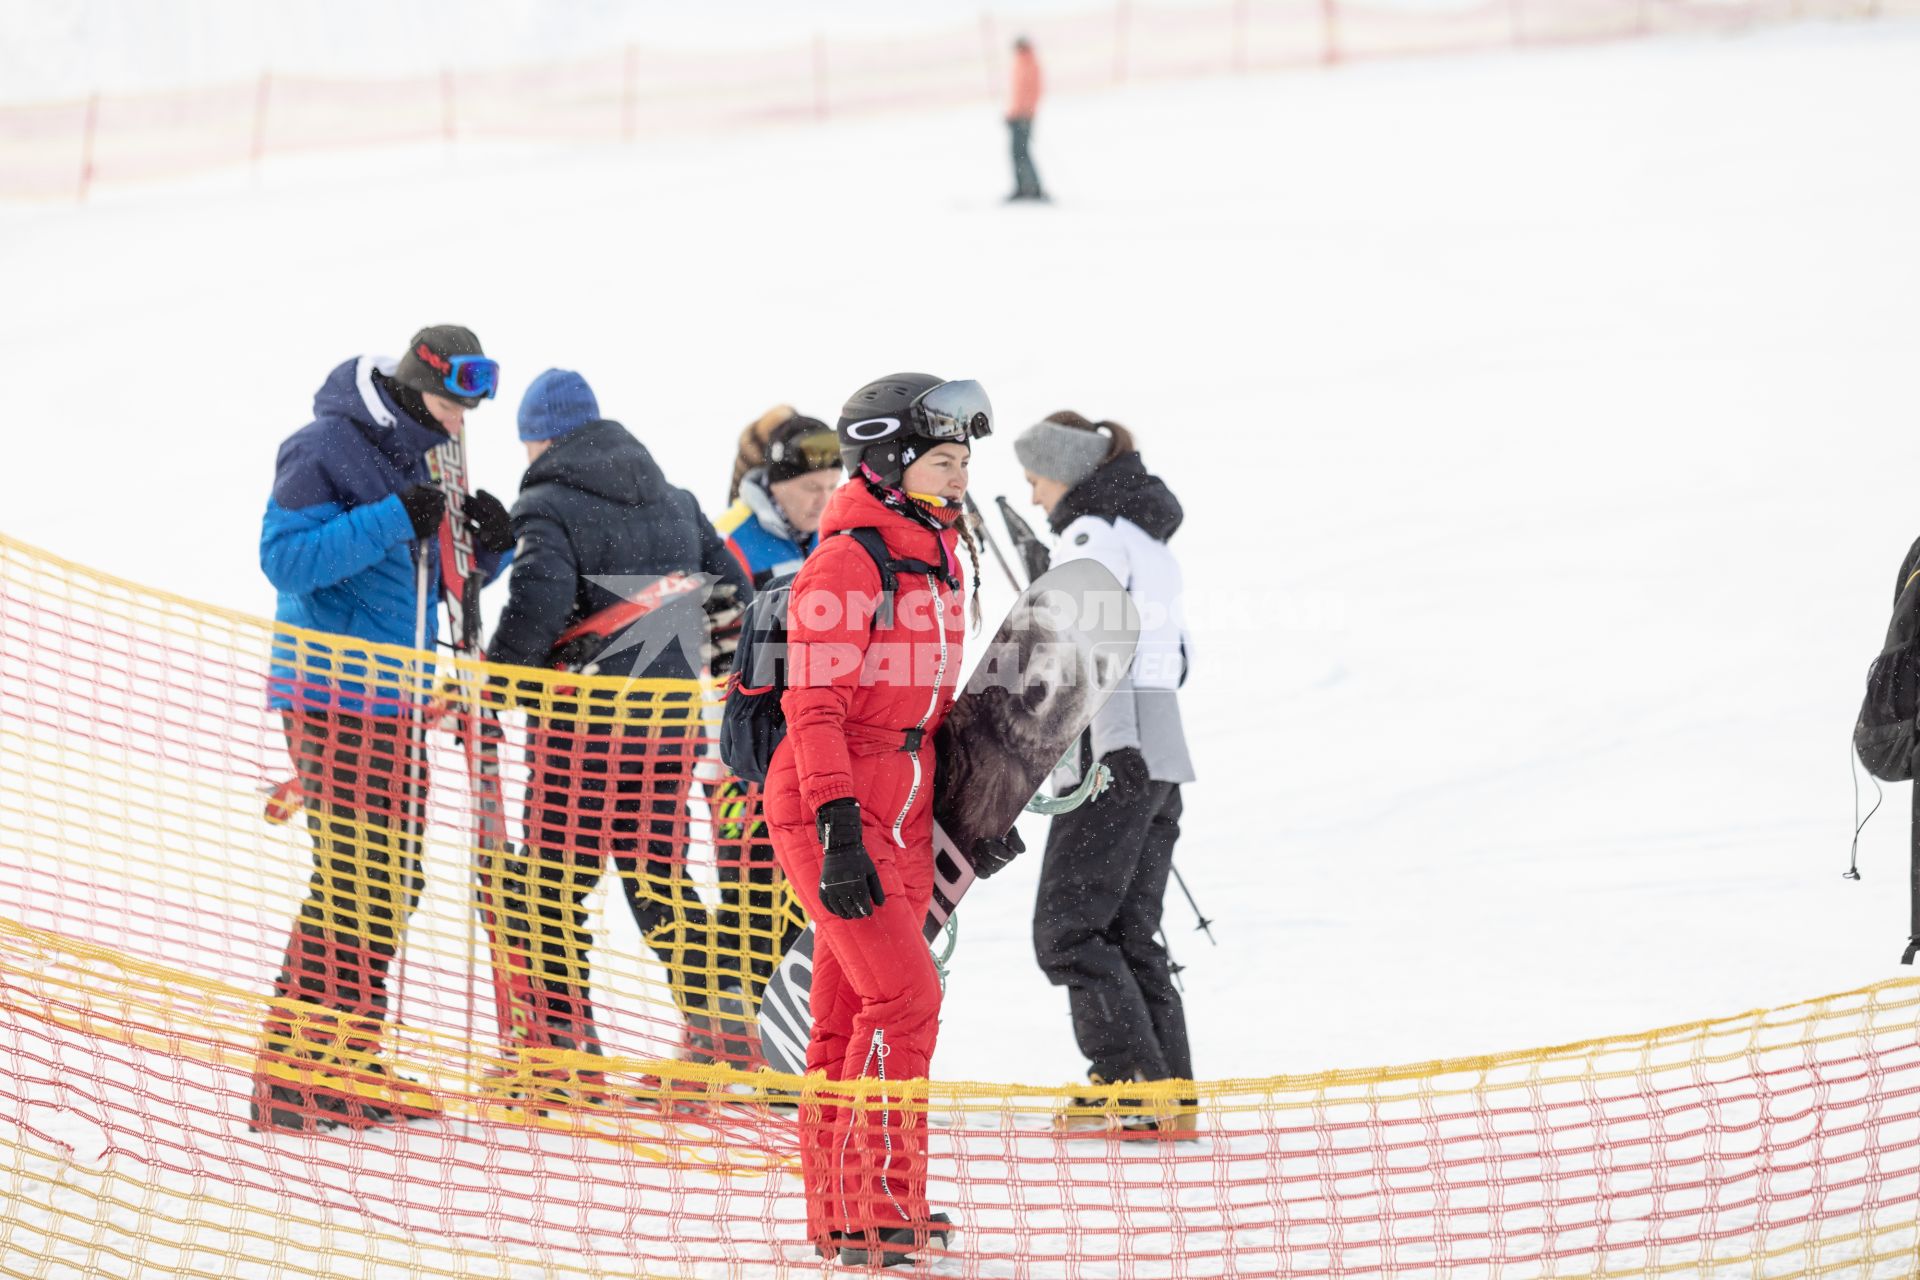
pixel 598 525
pixel 349 540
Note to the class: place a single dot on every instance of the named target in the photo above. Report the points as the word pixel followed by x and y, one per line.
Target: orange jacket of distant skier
pixel 1026 86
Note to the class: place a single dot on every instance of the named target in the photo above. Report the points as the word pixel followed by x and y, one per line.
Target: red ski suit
pixel 858 684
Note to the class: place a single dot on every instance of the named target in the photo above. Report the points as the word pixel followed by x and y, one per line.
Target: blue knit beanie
pixel 559 401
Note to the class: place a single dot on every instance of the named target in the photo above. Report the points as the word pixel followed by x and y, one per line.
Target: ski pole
pixel 1034 555
pixel 999 557
pixel 1206 925
pixel 415 769
pixel 1174 967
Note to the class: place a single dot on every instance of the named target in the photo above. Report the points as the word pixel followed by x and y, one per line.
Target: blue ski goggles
pixel 473 376
pixel 955 411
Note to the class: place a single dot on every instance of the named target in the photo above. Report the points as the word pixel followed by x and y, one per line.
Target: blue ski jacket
pixel 337 545
pixel 759 535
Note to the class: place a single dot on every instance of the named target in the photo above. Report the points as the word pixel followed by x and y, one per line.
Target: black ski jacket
pixel 596 522
pixel 1122 487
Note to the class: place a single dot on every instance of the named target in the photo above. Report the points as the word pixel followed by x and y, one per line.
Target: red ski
pixel 480 737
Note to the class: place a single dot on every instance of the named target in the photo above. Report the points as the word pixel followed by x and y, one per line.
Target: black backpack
pixel 1884 735
pixel 753 724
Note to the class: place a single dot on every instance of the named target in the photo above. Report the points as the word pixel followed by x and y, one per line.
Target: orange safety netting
pixel 60 150
pixel 145 1004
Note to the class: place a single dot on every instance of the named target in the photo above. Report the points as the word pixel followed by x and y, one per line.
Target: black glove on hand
pixel 487 521
pixel 1128 767
pixel 849 886
pixel 724 614
pixel 989 855
pixel 425 504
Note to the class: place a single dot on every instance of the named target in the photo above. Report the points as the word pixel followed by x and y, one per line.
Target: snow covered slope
pixel 1543 423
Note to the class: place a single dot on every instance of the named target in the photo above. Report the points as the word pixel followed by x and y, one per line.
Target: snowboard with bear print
pixel 1066 643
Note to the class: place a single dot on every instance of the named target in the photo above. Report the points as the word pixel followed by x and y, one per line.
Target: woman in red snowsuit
pixel 849 798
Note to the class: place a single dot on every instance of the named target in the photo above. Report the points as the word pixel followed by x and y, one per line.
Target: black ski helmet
pixel 884 427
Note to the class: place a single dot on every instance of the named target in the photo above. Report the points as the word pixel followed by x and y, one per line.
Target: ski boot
pixel 305 1098
pixel 1127 1118
pixel 892 1246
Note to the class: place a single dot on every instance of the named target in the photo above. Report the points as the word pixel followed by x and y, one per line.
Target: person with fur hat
pixel 750 450
pixel 776 520
pixel 349 539
pixel 1104 875
pixel 771 529
pixel 600 533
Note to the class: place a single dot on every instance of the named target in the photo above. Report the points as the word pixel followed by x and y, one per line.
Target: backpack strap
pixel 876 548
pixel 891 567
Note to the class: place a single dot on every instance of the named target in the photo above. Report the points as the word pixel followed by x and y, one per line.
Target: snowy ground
pixel 1541 421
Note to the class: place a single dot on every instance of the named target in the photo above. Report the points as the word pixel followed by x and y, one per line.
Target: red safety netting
pixel 62 150
pixel 144 1004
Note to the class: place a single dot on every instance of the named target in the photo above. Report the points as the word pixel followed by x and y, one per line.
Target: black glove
pixel 724 614
pixel 425 504
pixel 487 521
pixel 989 855
pixel 849 886
pixel 1129 769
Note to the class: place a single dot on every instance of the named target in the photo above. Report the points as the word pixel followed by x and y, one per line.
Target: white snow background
pixel 1545 424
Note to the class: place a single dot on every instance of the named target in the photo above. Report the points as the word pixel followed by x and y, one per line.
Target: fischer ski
pixel 480 737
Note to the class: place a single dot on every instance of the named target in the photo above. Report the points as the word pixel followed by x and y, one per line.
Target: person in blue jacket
pixel 771 529
pixel 776 520
pixel 349 540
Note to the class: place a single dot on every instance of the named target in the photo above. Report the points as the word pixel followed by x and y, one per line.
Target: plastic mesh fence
pixel 61 150
pixel 160 928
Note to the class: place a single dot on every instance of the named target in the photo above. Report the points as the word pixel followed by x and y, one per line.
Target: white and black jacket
pixel 1122 516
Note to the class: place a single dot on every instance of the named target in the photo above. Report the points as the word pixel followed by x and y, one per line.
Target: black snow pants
pixel 757 920
pixel 593 789
pixel 1102 883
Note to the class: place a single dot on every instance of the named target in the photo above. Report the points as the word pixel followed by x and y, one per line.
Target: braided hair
pixel 973 553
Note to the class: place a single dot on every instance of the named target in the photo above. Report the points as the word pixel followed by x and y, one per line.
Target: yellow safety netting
pixel 582 1084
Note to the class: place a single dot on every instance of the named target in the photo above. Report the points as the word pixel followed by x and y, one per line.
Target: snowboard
pixel 1065 644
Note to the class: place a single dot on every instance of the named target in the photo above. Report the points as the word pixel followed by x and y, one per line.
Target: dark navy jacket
pixel 596 522
pixel 337 544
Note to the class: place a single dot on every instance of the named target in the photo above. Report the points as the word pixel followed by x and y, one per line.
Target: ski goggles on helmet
pixel 473 376
pixel 952 411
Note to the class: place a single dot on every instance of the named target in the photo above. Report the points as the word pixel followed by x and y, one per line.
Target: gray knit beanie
pixel 1062 453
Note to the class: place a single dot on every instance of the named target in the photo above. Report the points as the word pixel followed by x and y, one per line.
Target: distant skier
pixel 1022 104
pixel 598 525
pixel 770 529
pixel 1106 867
pixel 849 795
pixel 348 539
